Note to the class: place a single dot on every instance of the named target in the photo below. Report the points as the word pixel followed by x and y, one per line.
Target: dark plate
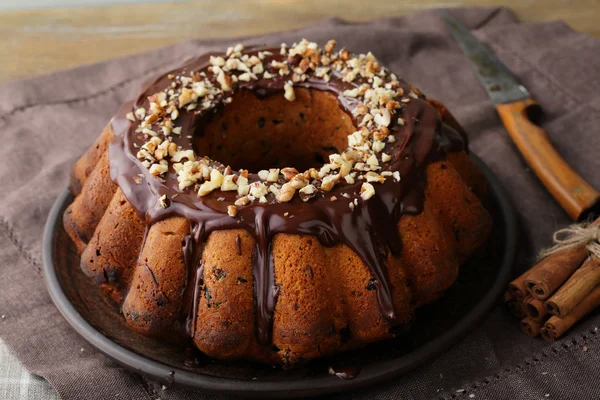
pixel 481 282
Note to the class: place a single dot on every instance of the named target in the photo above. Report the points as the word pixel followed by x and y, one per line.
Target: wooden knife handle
pixel 573 193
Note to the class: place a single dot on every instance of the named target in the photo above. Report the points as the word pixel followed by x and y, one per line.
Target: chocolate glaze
pixel 197 285
pixel 370 229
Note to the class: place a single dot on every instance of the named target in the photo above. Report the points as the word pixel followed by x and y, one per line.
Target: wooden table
pixel 40 41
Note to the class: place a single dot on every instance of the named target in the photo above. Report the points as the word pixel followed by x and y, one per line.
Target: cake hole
pixel 257 133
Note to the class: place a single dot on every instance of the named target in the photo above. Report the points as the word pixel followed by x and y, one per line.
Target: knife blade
pixel 500 84
pixel 514 105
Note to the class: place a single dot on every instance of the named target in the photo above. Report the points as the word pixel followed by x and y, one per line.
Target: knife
pixel 515 106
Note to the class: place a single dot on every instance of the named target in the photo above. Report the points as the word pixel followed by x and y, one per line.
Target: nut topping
pixel 375 95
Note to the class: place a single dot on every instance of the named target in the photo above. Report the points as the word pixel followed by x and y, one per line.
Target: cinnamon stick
pixel 530 327
pixel 535 309
pixel 575 289
pixel 546 335
pixel 550 273
pixel 555 327
pixel 516 308
pixel 517 287
pixel 553 271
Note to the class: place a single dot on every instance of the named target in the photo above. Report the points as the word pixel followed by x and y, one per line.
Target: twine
pixel 576 235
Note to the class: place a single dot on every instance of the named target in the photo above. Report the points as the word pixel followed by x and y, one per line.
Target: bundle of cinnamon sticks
pixel 563 287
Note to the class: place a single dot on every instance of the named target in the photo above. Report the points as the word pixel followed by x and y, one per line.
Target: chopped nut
pixel 329 46
pixel 232 211
pixel 163 201
pixel 228 184
pixel 273 175
pixel 329 182
pixel 289 173
pixel 367 191
pixel 351 93
pixel 366 119
pixel 245 77
pixel 140 113
pixel 216 177
pixel 373 177
pixel 258 189
pixel 384 118
pixel 242 201
pixel 263 174
pixel 258 69
pixel 180 155
pixel 172 149
pixel 160 153
pixel 274 189
pixel 186 97
pixel 206 188
pixel 289 91
pixel 355 139
pixel 372 160
pixel 308 189
pixel 286 193
pixel 158 169
pixel 345 168
pixel 378 146
pixel 298 181
pixel 224 80
pixel 218 61
pixel 243 189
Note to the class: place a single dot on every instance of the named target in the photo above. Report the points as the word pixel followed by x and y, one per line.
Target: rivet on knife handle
pixel 570 190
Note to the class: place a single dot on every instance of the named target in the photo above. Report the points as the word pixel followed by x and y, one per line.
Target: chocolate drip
pixel 197 286
pixel 370 229
pixel 263 271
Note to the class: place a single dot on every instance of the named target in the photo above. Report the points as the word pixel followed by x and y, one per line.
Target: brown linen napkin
pixel 47 122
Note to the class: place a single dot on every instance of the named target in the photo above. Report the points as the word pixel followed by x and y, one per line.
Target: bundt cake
pixel 276 204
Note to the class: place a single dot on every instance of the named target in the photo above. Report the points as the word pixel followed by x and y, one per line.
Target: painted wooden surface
pixel 39 41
